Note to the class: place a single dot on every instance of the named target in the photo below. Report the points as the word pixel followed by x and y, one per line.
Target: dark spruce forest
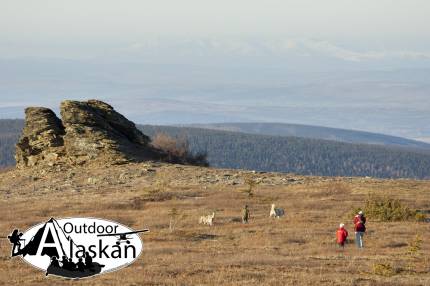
pixel 307 156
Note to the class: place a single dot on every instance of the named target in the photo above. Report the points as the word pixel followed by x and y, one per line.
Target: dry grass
pixel 297 249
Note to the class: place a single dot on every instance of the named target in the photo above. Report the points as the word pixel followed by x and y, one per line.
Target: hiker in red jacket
pixel 341 235
pixel 360 216
pixel 360 228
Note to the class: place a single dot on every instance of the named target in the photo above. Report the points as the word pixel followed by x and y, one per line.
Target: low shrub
pixel 419 216
pixel 386 209
pixel 177 150
pixel 250 183
pixel 175 216
pixel 383 269
pixel 415 245
pixel 137 203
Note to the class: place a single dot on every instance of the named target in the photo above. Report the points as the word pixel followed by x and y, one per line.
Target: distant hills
pixel 316 132
pixel 317 90
pixel 226 149
pixel 10 130
pixel 370 154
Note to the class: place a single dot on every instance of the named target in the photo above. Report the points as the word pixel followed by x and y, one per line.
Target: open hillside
pixel 94 162
pixel 304 156
pixel 297 249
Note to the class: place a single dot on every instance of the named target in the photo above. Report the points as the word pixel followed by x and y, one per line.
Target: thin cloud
pixel 271 47
pixel 350 55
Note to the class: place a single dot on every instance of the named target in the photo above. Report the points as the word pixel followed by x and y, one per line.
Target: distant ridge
pixel 315 132
pixel 306 156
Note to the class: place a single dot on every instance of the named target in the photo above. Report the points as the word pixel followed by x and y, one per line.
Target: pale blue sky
pixel 341 63
pixel 55 24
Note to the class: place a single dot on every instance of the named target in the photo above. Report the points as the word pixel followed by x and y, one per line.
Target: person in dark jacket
pixel 341 235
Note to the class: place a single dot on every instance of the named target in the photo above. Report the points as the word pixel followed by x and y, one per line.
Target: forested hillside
pixel 10 130
pixel 275 153
pixel 299 155
pixel 316 132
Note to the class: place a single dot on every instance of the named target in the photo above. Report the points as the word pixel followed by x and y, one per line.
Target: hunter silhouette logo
pixel 77 247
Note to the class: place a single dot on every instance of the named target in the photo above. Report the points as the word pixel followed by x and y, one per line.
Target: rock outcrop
pixel 90 132
pixel 94 130
pixel 42 138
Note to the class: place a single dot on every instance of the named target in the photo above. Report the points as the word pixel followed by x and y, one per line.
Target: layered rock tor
pixel 89 132
pixel 41 139
pixel 94 130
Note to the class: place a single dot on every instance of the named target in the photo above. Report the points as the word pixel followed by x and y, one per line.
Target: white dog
pixel 207 219
pixel 276 212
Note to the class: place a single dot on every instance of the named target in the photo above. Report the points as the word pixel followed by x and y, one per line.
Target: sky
pixel 106 19
pixel 312 62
